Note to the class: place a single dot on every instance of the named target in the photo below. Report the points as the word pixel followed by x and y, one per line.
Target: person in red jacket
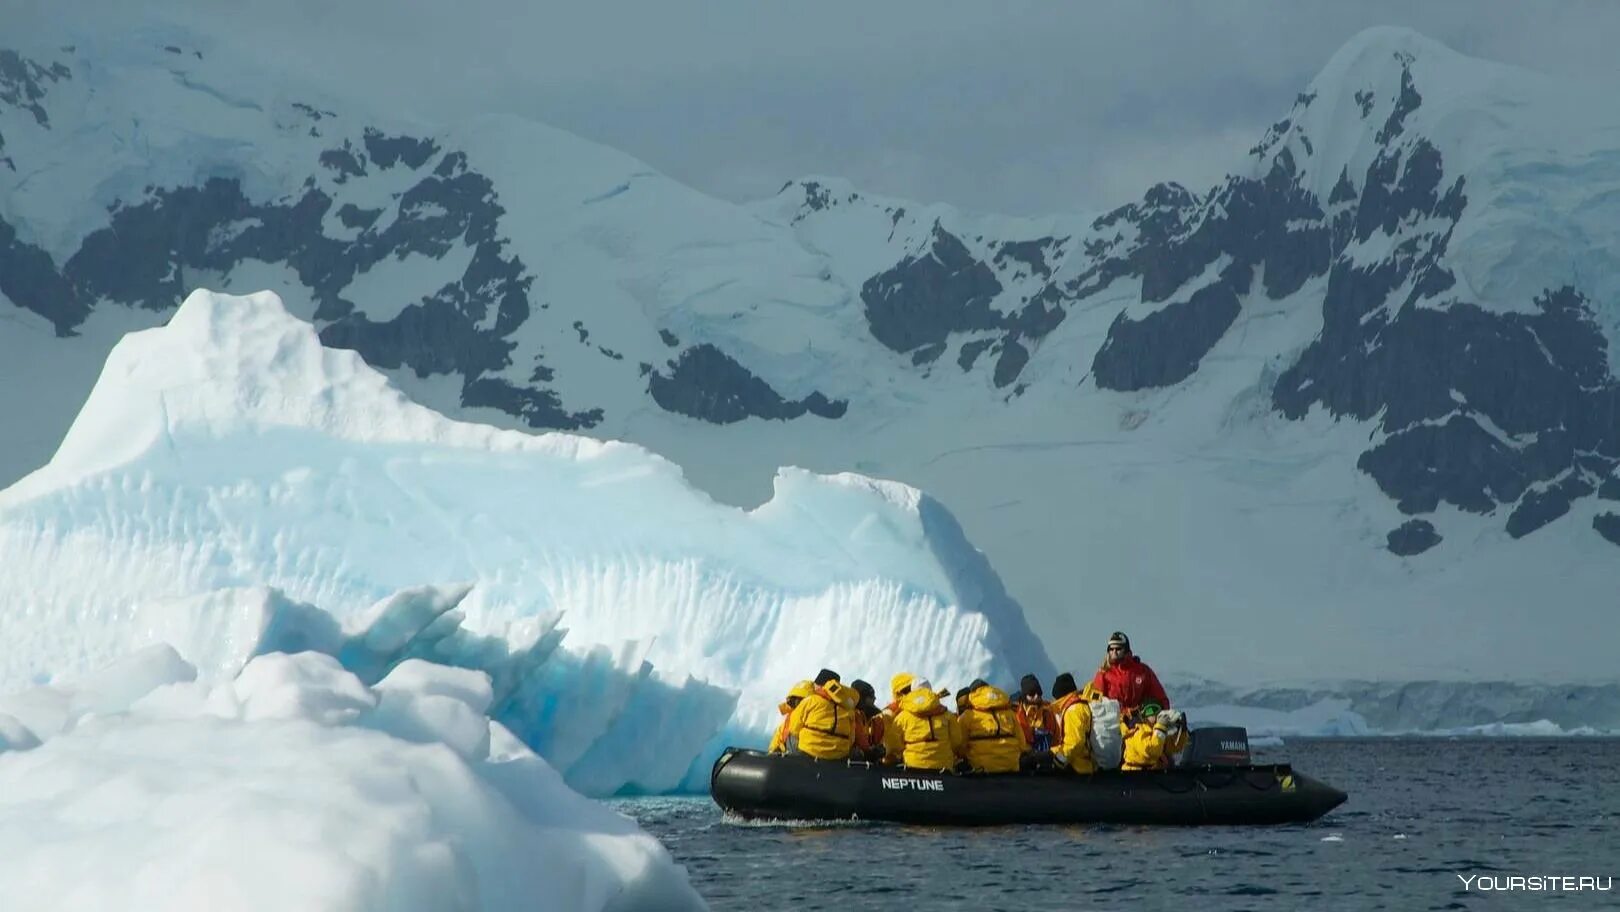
pixel 1128 679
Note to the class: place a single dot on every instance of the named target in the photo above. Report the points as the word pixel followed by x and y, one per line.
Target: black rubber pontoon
pixel 756 785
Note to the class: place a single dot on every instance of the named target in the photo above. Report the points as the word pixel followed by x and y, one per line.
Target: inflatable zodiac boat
pixel 1206 790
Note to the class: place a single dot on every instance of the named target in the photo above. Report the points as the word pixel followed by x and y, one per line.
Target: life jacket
pixel 874 727
pixel 1058 708
pixel 825 722
pixel 1073 751
pixel 995 739
pixel 925 735
pixel 1038 723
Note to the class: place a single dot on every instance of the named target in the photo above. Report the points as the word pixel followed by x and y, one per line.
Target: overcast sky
pixel 1009 106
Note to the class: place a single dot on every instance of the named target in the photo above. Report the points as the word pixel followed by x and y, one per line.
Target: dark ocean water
pixel 1421 812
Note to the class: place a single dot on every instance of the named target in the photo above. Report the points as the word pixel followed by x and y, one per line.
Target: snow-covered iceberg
pixel 229 450
pixel 296 786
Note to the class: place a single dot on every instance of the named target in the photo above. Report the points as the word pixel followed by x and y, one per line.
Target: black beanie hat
pixel 864 689
pixel 1063 685
pixel 977 683
pixel 825 675
pixel 1030 686
pixel 963 693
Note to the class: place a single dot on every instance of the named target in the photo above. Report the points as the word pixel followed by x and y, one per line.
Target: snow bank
pixel 296 786
pixel 1333 718
pixel 229 451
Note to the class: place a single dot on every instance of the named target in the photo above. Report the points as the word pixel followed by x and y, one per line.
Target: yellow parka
pixel 1148 747
pixel 779 738
pixel 990 726
pixel 823 724
pixel 925 735
pixel 1074 751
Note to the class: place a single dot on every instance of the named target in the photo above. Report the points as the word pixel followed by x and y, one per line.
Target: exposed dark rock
pixel 1030 253
pixel 924 299
pixel 1165 347
pixel 1405 103
pixel 1364 99
pixel 537 408
pixel 1540 507
pixel 353 216
pixel 24 84
pixel 387 151
pixel 970 352
pixel 30 279
pixel 311 112
pixel 816 197
pixel 1343 190
pixel 707 384
pixel 669 338
pixel 1414 536
pixel 928 353
pixel 1608 526
pixel 344 162
pixel 142 259
pixel 1013 358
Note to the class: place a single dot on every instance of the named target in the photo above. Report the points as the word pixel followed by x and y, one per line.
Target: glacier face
pixel 1355 401
pixel 230 450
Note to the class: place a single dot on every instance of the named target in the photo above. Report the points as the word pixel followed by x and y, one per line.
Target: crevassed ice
pixel 229 450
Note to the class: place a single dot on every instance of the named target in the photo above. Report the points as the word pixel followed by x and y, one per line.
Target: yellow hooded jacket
pixel 995 740
pixel 779 738
pixel 824 722
pixel 1074 751
pixel 1150 747
pixel 925 735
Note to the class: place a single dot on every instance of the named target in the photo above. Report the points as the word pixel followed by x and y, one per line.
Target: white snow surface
pixel 229 451
pixel 295 786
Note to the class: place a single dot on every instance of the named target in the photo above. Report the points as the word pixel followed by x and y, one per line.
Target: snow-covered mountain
pixel 1350 413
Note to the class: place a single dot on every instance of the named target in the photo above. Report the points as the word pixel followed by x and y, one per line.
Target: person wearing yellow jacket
pixel 925 735
pixel 990 727
pixel 823 724
pixel 1073 751
pixel 796 695
pixel 1152 737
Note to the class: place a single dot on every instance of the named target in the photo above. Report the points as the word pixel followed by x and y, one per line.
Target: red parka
pixel 1132 683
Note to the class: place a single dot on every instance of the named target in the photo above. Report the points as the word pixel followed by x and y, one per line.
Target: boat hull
pixel 755 785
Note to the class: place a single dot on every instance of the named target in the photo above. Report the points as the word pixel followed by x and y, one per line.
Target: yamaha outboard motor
pixel 1216 746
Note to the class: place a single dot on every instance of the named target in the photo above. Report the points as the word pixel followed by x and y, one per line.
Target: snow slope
pixel 292 785
pixel 230 450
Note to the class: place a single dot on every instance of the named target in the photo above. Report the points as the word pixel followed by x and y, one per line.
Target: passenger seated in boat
pixel 1126 678
pixel 962 700
pixel 870 722
pixel 990 726
pixel 1035 714
pixel 779 739
pixel 1152 737
pixel 899 686
pixel 1073 751
pixel 925 735
pixel 823 724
